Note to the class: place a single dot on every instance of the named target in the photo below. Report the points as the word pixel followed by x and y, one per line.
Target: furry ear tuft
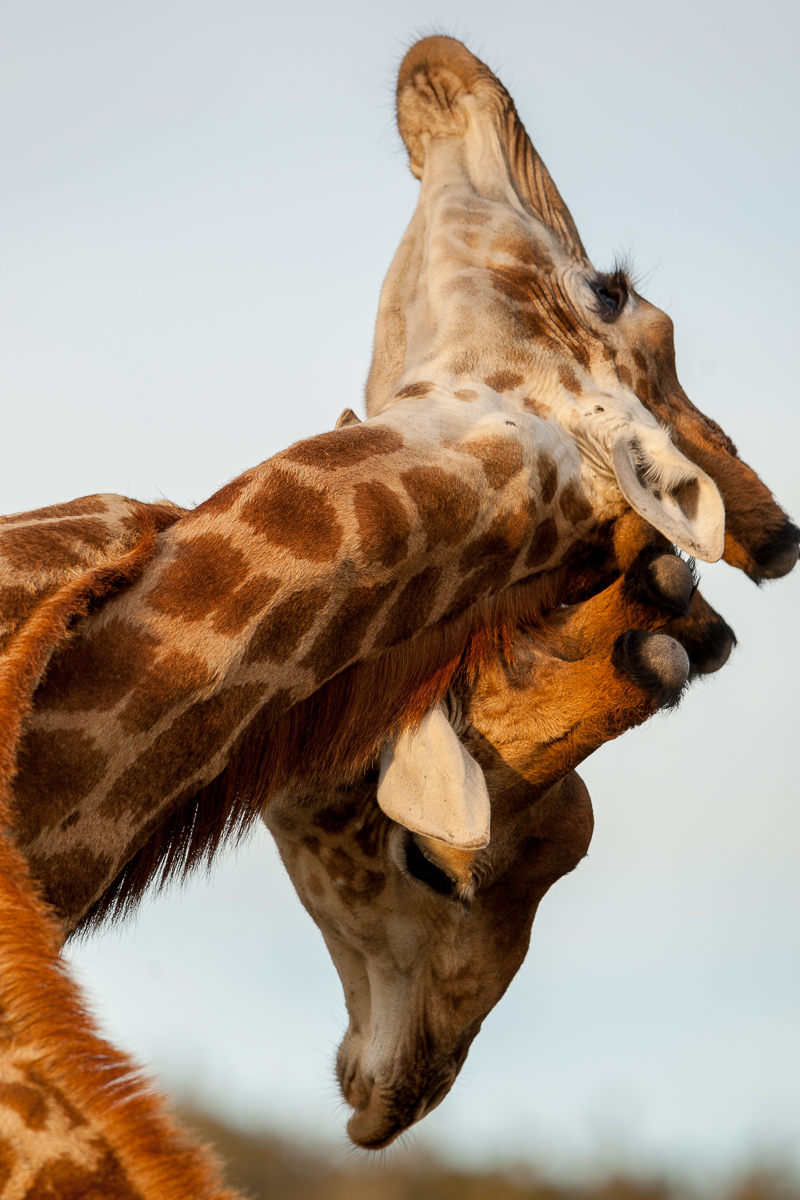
pixel 669 491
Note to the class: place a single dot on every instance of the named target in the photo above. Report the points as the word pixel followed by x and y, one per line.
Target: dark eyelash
pixel 426 872
pixel 612 291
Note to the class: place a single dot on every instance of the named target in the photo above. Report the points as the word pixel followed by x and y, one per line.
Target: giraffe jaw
pixel 383 1111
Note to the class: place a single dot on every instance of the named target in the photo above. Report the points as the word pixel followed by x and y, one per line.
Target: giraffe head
pixel 491 290
pixel 427 920
pixel 422 959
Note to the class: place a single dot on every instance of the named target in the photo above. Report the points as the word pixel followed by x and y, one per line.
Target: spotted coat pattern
pixel 502 399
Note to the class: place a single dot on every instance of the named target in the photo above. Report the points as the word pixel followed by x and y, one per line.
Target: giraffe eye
pixel 611 292
pixel 427 872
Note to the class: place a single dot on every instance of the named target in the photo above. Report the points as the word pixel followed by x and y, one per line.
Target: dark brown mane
pixel 334 734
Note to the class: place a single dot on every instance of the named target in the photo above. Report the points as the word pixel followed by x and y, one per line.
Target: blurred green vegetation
pixel 267 1167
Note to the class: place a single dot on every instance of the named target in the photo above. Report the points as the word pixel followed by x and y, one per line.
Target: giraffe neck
pixel 333 551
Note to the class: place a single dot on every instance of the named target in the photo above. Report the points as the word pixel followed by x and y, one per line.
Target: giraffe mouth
pixel 383 1111
pixel 387 1115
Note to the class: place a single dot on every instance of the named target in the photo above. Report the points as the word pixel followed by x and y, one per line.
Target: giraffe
pixel 51 1140
pixel 491 291
pixel 77 1117
pixel 342 548
pixel 337 550
pixel 489 288
pixel 350 545
pixel 58 1132
pixel 52 1053
pixel 426 936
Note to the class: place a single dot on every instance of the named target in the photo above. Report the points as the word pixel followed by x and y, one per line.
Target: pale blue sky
pixel 199 201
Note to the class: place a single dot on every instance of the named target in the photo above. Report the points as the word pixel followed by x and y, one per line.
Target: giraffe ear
pixel 669 491
pixel 432 786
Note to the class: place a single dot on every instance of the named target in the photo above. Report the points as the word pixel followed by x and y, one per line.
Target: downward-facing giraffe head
pixel 491 288
pixel 426 936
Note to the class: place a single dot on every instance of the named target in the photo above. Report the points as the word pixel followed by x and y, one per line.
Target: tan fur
pixel 74 1111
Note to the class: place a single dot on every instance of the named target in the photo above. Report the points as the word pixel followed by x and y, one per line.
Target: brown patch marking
pixel 383 525
pixel 63 1179
pixel 8 1161
pixel 85 506
pixel 333 820
pixel 57 768
pixel 569 379
pixel 515 282
pixel 472 240
pixel 224 500
pixel 414 390
pixel 466 394
pixel 26 1101
pixel 175 677
pixel 536 407
pixel 499 546
pixel 521 250
pixel 412 609
pixel 366 840
pixel 642 388
pixel 53 547
pixel 575 507
pixel 447 507
pixel 500 457
pixel 245 603
pixel 96 672
pixel 543 545
pixel 70 881
pixel 346 630
pixel 281 631
pixel 503 381
pixel 192 739
pixel 536 327
pixel 16 605
pixel 489 560
pixel 295 516
pixel 200 578
pixel 548 477
pixel 75 1118
pixel 361 886
pixel 345 447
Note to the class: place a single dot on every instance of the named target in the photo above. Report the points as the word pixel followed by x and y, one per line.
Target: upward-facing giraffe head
pixel 491 288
